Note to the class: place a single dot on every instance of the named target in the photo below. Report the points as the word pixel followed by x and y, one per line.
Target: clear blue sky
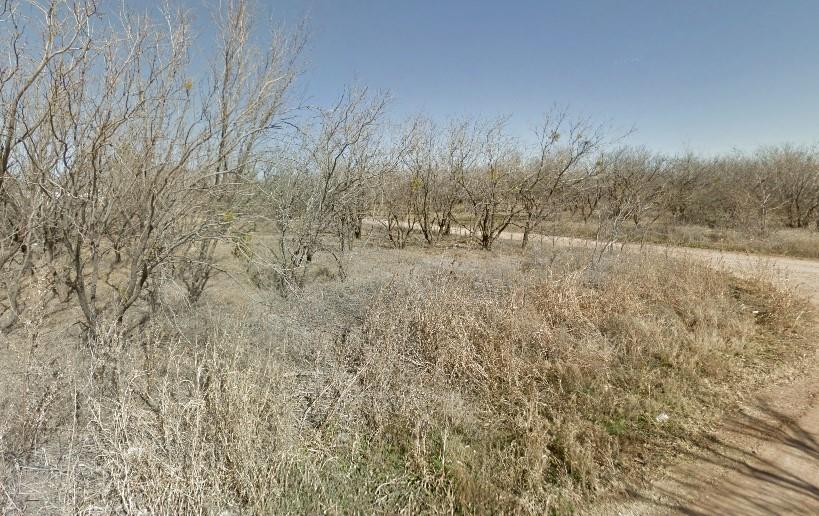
pixel 708 76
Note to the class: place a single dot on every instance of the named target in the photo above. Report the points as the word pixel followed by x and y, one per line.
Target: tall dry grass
pixel 447 390
pixel 533 395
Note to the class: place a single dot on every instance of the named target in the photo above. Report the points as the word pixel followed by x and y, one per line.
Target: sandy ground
pixel 764 459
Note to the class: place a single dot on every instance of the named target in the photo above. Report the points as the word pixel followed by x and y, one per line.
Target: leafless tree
pixel 491 188
pixel 584 197
pixel 315 188
pixel 796 173
pixel 111 150
pixel 563 145
pixel 34 86
pixel 686 177
pixel 433 160
pixel 398 204
pixel 633 181
pixel 757 187
pixel 250 83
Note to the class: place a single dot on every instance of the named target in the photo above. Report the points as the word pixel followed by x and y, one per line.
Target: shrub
pixel 448 391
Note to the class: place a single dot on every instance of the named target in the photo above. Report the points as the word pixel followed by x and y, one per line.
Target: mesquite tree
pixel 315 187
pixel 558 168
pixel 490 189
pixel 113 151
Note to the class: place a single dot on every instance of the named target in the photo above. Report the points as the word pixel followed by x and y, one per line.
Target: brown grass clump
pixel 195 433
pixel 466 385
pixel 533 395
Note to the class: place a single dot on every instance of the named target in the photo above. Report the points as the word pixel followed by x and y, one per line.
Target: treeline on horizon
pixel 123 164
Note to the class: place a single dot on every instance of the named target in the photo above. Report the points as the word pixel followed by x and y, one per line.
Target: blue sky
pixel 707 76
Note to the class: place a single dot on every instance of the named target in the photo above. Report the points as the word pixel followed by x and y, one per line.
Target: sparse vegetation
pixel 216 301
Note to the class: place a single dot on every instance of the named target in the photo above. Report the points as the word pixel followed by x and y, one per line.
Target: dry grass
pixel 430 381
pixel 552 388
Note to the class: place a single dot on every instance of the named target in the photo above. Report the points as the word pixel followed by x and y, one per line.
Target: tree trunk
pixel 357 229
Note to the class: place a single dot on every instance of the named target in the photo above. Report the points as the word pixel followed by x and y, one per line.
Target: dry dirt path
pixel 763 460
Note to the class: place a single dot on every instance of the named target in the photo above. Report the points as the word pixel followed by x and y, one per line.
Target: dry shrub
pixel 194 429
pixel 213 427
pixel 35 404
pixel 533 395
pixel 34 407
pixel 450 392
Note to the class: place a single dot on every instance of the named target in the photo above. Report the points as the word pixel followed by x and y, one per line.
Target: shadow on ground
pixel 728 476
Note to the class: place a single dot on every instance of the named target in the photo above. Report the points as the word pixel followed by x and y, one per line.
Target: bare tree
pixel 250 83
pixel 432 160
pixel 632 182
pixel 110 150
pixel 490 189
pixel 33 93
pixel 584 197
pixel 557 169
pixel 399 198
pixel 758 190
pixel 685 178
pixel 314 188
pixel 796 173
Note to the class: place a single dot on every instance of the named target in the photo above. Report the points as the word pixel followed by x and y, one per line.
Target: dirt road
pixel 764 460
